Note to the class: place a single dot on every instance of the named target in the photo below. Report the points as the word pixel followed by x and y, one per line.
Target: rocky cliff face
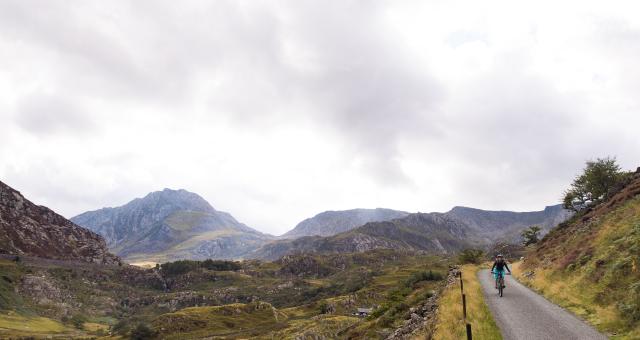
pixel 28 229
pixel 169 225
pixel 330 223
pixel 507 225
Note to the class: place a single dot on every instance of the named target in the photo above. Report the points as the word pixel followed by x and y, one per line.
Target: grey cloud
pixel 367 88
pixel 334 65
pixel 43 114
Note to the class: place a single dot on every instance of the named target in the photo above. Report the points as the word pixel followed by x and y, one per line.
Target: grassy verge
pixel 578 297
pixel 450 322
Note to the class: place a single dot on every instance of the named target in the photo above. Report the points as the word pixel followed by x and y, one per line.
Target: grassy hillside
pixel 314 295
pixel 590 264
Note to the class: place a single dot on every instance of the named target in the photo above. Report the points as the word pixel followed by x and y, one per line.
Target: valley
pixel 384 279
pixel 295 296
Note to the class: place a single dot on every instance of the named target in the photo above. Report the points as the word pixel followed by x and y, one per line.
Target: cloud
pixel 43 114
pixel 275 111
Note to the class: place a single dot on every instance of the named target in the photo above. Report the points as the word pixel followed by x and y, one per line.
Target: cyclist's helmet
pixel 499 256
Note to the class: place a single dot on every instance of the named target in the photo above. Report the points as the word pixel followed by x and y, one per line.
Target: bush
pixel 422 276
pixel 220 265
pixel 326 308
pixel 470 256
pixel 142 332
pixel 78 321
pixel 179 267
pixel 184 266
pixel 122 327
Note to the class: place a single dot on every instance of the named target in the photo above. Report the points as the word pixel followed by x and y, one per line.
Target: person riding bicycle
pixel 498 268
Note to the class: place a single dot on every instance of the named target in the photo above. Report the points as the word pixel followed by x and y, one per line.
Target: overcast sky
pixel 277 110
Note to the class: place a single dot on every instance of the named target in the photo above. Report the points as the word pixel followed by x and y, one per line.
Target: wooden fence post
pixel 461 284
pixel 464 306
pixel 469 336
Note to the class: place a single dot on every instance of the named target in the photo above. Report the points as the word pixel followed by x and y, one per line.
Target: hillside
pixel 295 297
pixel 439 233
pixel 329 223
pixel 29 229
pixel 590 264
pixel 171 224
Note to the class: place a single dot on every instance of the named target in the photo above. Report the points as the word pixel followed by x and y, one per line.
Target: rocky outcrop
pixel 301 266
pixel 32 230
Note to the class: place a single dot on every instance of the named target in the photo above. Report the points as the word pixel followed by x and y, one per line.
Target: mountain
pixel 590 263
pixel 329 223
pixel 171 224
pixel 442 233
pixel 32 230
pixel 507 225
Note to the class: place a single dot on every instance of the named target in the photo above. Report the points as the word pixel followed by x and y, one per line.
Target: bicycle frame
pixel 500 281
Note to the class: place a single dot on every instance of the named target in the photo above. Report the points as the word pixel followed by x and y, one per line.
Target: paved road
pixel 522 314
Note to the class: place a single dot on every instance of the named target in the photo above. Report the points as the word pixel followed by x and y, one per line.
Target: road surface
pixel 522 314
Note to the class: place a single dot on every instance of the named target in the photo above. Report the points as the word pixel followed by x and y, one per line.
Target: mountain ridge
pixel 434 232
pixel 331 222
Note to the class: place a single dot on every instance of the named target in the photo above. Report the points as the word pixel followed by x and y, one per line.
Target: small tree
pixel 597 182
pixel 531 235
pixel 470 256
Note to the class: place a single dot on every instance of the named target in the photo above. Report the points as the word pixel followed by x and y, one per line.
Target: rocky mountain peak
pixel 171 224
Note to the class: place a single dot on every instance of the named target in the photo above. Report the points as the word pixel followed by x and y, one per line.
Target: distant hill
pixel 171 224
pixel 590 263
pixel 32 230
pixel 329 223
pixel 433 232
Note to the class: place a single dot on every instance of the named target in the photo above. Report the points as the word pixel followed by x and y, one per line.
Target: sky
pixel 277 110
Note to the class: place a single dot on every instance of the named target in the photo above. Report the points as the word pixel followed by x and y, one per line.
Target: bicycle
pixel 500 281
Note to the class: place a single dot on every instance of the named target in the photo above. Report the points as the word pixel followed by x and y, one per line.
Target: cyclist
pixel 498 268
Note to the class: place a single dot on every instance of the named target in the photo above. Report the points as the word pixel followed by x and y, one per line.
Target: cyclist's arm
pixel 494 266
pixel 505 265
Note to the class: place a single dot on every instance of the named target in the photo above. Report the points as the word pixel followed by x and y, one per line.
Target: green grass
pixel 235 320
pixel 15 325
pixel 10 273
